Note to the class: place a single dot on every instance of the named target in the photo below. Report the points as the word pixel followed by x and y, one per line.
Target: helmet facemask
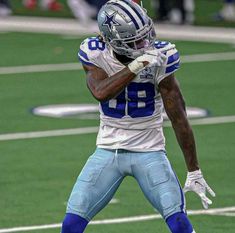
pixel 133 46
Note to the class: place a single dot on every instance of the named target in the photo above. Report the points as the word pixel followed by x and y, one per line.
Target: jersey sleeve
pixel 90 51
pixel 172 63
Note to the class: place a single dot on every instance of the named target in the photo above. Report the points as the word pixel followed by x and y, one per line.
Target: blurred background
pixel 197 12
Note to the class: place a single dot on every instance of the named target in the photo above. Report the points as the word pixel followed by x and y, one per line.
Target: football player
pixel 131 74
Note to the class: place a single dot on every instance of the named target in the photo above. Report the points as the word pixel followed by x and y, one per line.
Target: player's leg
pixel 73 223
pixel 161 187
pixel 179 223
pixel 94 188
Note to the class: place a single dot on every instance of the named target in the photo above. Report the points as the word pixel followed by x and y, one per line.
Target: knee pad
pixel 179 223
pixel 73 224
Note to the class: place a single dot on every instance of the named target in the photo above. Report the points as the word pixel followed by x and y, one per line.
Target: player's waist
pixel 129 123
pixel 126 151
pixel 133 140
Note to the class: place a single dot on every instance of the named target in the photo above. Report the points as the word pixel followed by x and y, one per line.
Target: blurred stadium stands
pixel 205 11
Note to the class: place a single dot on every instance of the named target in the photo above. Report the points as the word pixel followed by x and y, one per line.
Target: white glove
pixel 196 183
pixel 153 57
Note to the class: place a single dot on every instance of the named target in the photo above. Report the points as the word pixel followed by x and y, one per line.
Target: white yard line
pixel 227 211
pixel 40 68
pixel 208 57
pixel 87 130
pixel 72 27
pixel 49 133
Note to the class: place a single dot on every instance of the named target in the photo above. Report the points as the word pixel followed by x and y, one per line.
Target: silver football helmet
pixel 126 27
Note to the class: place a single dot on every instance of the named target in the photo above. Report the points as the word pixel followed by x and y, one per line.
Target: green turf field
pixel 36 175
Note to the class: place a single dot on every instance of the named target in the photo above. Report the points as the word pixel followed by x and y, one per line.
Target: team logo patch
pixel 110 21
pixel 91 111
pixel 147 73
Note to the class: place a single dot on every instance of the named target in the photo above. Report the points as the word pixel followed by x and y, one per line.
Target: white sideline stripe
pixel 208 57
pixel 73 27
pixel 87 130
pixel 216 211
pixel 58 26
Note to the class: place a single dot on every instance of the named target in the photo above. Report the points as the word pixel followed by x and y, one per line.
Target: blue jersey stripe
pixel 83 54
pixel 173 58
pixel 135 10
pixel 85 62
pixel 129 14
pixel 173 67
pixel 182 206
pixel 161 44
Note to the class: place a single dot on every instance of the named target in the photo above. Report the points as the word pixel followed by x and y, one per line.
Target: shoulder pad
pixel 163 46
pixel 90 49
pixel 173 60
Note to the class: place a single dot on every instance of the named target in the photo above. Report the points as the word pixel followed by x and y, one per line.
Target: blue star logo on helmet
pixel 110 21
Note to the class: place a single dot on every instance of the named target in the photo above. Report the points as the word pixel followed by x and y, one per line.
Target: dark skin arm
pixel 104 88
pixel 175 108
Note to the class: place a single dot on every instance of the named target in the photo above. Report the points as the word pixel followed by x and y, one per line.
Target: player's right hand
pixel 150 58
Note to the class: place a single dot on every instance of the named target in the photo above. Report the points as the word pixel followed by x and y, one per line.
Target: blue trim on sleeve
pixel 173 67
pixel 85 62
pixel 182 206
pixel 173 58
pixel 83 54
pixel 160 44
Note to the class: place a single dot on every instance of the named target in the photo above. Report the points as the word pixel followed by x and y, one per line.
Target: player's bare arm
pixel 175 108
pixel 104 88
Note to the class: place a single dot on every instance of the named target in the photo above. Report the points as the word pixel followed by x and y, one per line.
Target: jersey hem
pixel 132 149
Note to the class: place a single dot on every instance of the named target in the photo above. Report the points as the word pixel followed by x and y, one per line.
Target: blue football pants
pixel 104 172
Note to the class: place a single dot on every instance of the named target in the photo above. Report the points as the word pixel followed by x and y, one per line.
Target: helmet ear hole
pixel 126 26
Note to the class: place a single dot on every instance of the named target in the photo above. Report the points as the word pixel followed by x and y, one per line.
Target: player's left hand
pixel 196 183
pixel 159 57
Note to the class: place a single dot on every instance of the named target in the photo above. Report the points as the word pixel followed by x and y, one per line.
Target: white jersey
pixel 132 120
